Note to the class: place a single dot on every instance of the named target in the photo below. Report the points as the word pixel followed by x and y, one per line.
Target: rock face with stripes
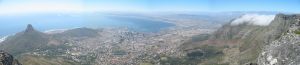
pixel 7 59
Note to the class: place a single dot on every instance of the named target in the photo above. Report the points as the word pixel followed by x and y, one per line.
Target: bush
pixel 297 31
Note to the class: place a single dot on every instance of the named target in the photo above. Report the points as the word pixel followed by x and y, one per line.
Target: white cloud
pixel 3 39
pixel 254 19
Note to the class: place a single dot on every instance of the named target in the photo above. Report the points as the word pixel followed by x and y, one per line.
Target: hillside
pixel 32 47
pixel 241 44
pixel 284 50
pixel 25 41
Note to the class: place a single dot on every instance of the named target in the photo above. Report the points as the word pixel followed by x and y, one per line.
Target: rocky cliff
pixel 7 59
pixel 285 50
pixel 243 43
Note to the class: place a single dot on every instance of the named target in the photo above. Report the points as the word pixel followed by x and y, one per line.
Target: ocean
pixel 43 22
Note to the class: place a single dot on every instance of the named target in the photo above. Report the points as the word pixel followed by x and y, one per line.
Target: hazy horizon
pixel 10 7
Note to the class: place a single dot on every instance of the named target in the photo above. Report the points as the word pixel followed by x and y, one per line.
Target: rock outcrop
pixel 242 44
pixel 7 59
pixel 286 49
pixel 29 28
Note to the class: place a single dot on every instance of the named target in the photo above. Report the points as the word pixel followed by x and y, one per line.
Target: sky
pixel 79 6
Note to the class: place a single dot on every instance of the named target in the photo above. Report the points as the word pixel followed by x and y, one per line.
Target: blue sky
pixel 256 5
pixel 29 6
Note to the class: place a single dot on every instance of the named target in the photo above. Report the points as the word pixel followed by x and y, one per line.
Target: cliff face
pixel 7 59
pixel 251 40
pixel 244 43
pixel 286 49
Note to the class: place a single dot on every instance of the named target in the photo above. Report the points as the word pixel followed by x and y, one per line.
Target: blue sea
pixel 16 23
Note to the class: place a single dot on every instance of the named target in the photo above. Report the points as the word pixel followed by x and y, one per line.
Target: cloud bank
pixel 3 39
pixel 254 19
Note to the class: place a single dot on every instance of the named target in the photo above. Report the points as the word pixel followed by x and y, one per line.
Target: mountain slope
pixel 241 44
pixel 78 33
pixel 32 47
pixel 285 50
pixel 27 40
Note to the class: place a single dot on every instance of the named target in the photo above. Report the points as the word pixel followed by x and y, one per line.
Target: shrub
pixel 297 31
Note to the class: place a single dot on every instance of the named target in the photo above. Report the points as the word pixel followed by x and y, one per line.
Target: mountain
pixel 78 33
pixel 285 49
pixel 250 39
pixel 242 43
pixel 28 40
pixel 33 47
pixel 7 59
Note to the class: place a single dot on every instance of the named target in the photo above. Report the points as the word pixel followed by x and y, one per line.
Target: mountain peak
pixel 29 28
pixel 28 40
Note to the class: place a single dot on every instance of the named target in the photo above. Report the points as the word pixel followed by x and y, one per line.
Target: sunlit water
pixel 13 24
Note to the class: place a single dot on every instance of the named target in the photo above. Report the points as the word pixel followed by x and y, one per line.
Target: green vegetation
pixel 209 55
pixel 297 31
pixel 119 52
pixel 145 63
pixel 39 60
pixel 200 37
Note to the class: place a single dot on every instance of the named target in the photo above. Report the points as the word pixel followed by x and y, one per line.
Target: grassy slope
pixel 39 60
